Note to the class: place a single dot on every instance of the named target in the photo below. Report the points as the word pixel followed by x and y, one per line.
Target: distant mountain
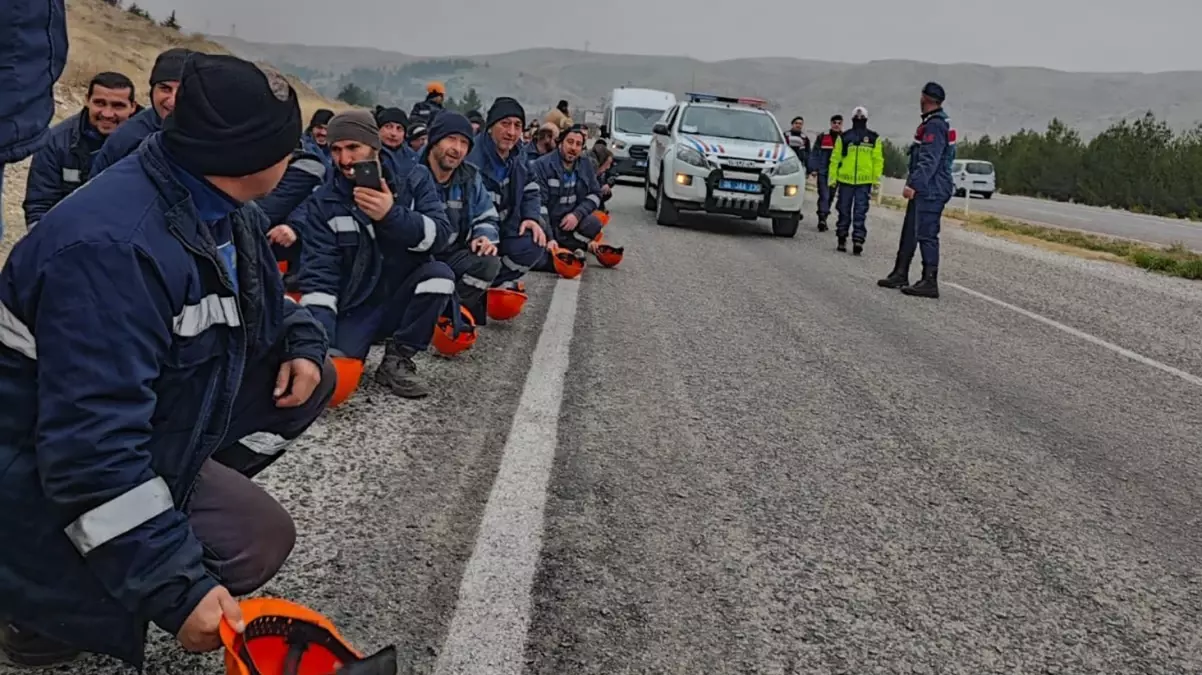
pixel 982 99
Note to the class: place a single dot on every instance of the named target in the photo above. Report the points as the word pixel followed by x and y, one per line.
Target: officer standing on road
pixel 796 136
pixel 820 166
pixel 928 190
pixel 857 163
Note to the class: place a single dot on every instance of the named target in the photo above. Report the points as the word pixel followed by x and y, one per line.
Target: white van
pixel 628 118
pixel 975 176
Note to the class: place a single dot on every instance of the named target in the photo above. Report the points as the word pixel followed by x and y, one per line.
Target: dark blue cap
pixel 934 91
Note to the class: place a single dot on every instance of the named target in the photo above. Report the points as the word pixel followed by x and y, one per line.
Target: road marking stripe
pixel 488 631
pixel 1139 358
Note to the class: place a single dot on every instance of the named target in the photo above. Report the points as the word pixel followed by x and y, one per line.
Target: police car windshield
pixel 636 120
pixel 737 123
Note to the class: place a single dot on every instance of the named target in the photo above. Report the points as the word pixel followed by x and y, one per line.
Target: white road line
pixel 1139 358
pixel 488 631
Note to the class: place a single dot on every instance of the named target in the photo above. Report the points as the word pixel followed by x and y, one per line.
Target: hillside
pixel 983 99
pixel 105 38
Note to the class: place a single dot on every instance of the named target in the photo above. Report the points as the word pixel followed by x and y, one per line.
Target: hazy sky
pixel 1096 35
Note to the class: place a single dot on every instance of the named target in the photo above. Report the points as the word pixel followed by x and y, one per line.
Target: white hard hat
pixel 860 111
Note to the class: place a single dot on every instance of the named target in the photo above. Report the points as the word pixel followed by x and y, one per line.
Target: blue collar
pixel 211 204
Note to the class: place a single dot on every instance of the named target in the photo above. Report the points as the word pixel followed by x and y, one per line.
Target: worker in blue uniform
pixel 34 53
pixel 306 172
pixel 570 192
pixel 367 269
pixel 514 192
pixel 164 83
pixel 149 366
pixel 314 139
pixel 471 251
pixel 820 166
pixel 65 162
pixel 929 187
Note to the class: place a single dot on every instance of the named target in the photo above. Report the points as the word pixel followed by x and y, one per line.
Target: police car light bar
pixel 695 97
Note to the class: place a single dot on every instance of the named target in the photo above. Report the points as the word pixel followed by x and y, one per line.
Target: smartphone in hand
pixel 367 175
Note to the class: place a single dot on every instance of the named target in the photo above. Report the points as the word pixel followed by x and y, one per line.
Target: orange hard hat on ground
pixel 349 371
pixel 505 304
pixel 446 343
pixel 602 216
pixel 567 264
pixel 609 256
pixel 284 638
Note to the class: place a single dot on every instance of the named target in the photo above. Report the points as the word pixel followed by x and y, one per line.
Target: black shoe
pixel 927 287
pixel 23 648
pixel 857 248
pixel 842 245
pixel 822 225
pixel 900 276
pixel 398 372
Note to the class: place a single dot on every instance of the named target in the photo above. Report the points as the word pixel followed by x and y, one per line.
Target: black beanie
pixel 416 131
pixel 169 66
pixel 448 124
pixel 475 117
pixel 503 107
pixel 321 117
pixel 393 115
pixel 231 118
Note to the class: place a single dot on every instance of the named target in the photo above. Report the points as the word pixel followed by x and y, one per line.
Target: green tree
pixel 471 101
pixel 355 95
pixel 170 22
pixel 136 10
pixel 897 163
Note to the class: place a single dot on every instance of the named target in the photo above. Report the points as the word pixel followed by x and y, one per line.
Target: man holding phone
pixel 472 252
pixel 367 266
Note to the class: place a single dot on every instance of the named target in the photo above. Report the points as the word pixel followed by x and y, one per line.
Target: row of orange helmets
pixel 503 305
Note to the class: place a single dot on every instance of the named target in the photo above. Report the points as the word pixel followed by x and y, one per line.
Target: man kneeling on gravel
pixel 149 367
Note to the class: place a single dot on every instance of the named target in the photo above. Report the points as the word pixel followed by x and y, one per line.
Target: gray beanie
pixel 354 125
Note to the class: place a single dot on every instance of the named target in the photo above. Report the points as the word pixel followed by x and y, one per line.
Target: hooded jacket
pixel 931 157
pixel 514 192
pixel 469 207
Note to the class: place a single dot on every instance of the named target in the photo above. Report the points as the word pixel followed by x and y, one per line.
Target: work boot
pixel 21 647
pixel 398 372
pixel 927 287
pixel 822 225
pixel 899 277
pixel 857 247
pixel 842 245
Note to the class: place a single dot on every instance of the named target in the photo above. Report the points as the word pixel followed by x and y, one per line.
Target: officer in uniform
pixel 928 190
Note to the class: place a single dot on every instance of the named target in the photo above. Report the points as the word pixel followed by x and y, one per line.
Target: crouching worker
pixel 472 251
pixel 367 270
pixel 149 366
pixel 306 172
pixel 570 192
pixel 515 194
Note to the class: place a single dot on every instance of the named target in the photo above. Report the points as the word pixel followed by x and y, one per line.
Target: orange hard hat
pixel 349 371
pixel 283 265
pixel 436 87
pixel 295 295
pixel 609 256
pixel 567 264
pixel 284 638
pixel 602 216
pixel 505 304
pixel 445 341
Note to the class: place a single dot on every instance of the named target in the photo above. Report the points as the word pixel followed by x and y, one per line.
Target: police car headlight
pixel 691 157
pixel 788 167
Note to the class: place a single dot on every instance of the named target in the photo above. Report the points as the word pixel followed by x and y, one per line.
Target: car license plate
pixel 739 185
pixel 641 164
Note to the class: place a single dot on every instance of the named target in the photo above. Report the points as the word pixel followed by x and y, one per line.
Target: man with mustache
pixel 65 162
pixel 472 252
pixel 570 192
pixel 164 83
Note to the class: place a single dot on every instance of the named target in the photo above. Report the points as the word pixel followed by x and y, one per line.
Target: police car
pixel 723 155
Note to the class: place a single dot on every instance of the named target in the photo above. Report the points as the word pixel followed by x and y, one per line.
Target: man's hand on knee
pixel 535 231
pixel 296 382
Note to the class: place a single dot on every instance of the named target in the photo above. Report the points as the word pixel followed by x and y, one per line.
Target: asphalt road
pixel 1111 222
pixel 736 454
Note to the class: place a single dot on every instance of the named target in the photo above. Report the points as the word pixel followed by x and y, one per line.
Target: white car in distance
pixel 723 155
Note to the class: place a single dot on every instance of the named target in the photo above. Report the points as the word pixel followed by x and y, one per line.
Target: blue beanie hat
pixel 449 123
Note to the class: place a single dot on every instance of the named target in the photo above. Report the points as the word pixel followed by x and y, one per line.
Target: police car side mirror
pixel 660 128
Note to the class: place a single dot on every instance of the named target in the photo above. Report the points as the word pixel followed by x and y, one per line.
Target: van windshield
pixel 746 125
pixel 979 168
pixel 636 120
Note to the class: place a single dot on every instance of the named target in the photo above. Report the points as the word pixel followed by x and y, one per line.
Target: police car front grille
pixel 736 204
pixel 638 152
pixel 727 166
